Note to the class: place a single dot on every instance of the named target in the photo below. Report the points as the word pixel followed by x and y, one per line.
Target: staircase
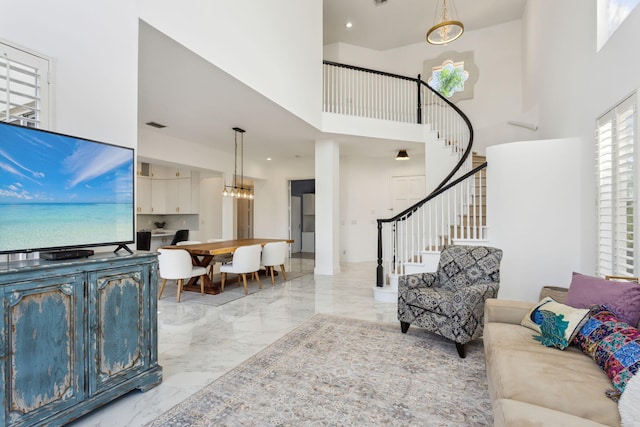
pixel 455 212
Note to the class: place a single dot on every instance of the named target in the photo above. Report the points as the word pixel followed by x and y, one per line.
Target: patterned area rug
pixel 339 371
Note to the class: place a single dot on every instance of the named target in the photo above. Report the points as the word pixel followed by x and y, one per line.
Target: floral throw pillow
pixel 613 345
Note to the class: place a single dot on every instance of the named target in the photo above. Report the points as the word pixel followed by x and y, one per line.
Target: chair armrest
pixel 419 280
pixel 506 311
pixel 478 293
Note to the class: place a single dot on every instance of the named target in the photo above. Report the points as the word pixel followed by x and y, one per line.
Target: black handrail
pixel 419 82
pixel 443 186
pixel 409 211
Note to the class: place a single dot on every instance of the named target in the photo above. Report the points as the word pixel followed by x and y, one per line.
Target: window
pixel 611 14
pixel 449 78
pixel 24 91
pixel 616 195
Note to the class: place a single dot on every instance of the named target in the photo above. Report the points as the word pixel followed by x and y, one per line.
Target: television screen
pixel 59 191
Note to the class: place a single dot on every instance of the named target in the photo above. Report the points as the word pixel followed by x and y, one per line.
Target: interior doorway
pixel 244 218
pixel 302 217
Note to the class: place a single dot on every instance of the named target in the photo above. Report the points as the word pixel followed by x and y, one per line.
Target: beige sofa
pixel 534 385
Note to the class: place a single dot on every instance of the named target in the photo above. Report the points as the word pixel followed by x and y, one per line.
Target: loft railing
pixel 362 92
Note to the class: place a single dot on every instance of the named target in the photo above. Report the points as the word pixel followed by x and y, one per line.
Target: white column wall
pixel 327 207
pixel 274 47
pixel 533 216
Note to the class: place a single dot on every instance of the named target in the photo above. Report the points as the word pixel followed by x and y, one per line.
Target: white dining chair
pixel 175 264
pixel 246 259
pixel 274 254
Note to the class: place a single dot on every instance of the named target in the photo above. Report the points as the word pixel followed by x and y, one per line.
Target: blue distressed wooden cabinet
pixel 75 335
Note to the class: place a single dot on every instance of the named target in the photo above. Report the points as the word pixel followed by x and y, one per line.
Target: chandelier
pixel 448 29
pixel 237 189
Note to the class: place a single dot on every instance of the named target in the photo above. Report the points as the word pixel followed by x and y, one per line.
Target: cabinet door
pixel 119 324
pixel 41 348
pixel 144 196
pixel 159 196
pixel 179 196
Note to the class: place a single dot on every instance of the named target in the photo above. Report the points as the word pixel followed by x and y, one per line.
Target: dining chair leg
pixel 202 285
pixel 255 273
pixel 284 275
pixel 244 279
pixel 164 282
pixel 180 282
pixel 272 279
pixel 223 276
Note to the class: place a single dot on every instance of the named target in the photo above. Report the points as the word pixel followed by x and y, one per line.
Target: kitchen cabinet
pixel 75 335
pixel 168 191
pixel 144 196
pixel 179 196
pixel 159 196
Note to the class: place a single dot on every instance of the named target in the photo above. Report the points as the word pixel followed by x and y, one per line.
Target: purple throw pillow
pixel 623 298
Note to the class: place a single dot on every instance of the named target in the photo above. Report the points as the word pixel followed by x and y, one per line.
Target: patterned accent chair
pixel 450 302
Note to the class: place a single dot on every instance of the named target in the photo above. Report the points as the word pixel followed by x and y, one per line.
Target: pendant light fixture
pixel 238 190
pixel 448 29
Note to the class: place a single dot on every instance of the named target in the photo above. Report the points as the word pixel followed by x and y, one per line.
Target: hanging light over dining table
pixel 237 189
pixel 448 28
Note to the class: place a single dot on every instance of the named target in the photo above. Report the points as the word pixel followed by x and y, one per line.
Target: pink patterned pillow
pixel 623 298
pixel 613 345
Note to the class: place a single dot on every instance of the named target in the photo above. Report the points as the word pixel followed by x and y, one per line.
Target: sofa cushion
pixel 621 297
pixel 613 344
pixel 507 412
pixel 556 323
pixel 519 368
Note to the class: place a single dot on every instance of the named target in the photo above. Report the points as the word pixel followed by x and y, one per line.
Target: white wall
pixel 274 47
pixel 571 84
pixel 365 196
pixel 533 216
pixel 95 52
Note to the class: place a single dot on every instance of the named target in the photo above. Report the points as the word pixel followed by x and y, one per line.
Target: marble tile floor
pixel 200 339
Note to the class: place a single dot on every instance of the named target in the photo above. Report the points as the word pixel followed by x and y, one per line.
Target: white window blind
pixel 24 89
pixel 616 195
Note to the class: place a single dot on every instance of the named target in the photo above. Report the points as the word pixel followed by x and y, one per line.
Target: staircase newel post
pixel 419 101
pixel 379 269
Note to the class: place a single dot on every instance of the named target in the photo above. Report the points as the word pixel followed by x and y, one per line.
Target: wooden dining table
pixel 202 254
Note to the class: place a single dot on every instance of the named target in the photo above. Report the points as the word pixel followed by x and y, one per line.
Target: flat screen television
pixel 62 192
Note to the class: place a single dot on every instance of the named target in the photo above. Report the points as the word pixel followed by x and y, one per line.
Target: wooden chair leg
pixel 284 275
pixel 271 269
pixel 180 282
pixel 202 285
pixel 164 282
pixel 255 273
pixel 244 280
pixel 223 276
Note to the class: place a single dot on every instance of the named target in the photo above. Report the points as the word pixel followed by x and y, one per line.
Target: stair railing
pixel 363 92
pixel 454 212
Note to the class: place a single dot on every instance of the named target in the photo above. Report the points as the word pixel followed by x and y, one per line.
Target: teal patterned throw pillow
pixel 556 323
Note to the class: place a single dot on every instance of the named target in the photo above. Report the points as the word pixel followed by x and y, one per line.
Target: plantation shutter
pixel 616 196
pixel 24 91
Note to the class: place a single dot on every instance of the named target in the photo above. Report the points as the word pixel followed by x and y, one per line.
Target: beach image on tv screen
pixel 61 191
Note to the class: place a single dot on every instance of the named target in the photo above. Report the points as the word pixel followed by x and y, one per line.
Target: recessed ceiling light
pixel 268 158
pixel 349 24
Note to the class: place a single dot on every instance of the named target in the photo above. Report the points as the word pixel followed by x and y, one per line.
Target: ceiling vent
pixel 377 2
pixel 155 125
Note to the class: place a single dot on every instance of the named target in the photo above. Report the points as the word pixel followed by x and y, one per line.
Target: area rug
pixel 338 371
